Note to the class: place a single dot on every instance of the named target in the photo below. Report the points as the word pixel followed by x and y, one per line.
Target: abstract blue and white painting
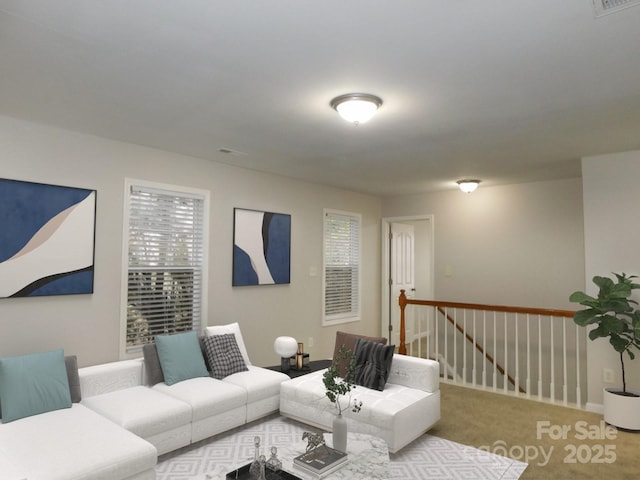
pixel 261 248
pixel 47 236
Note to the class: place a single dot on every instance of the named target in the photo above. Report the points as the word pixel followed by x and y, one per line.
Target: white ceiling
pixel 502 90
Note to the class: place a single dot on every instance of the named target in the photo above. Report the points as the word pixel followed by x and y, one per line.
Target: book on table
pixel 321 461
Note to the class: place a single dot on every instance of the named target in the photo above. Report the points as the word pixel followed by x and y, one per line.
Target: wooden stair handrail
pixel 403 301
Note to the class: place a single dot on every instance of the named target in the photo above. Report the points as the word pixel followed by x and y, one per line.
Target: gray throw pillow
pixel 71 362
pixel 224 355
pixel 152 364
pixel 373 364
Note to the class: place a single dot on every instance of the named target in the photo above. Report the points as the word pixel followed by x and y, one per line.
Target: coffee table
pixel 368 460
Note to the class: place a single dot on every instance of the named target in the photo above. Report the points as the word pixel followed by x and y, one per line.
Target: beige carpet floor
pixel 557 442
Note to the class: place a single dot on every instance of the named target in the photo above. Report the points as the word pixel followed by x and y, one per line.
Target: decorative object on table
pixel 261 248
pixel 336 390
pixel 285 347
pixel 46 240
pixel 614 316
pixel 314 440
pixel 242 473
pixel 274 464
pixel 263 461
pixel 305 362
pixel 319 459
pixel 339 430
pixel 300 356
pixel 254 469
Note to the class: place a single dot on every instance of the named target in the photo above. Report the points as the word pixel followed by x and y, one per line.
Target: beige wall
pixel 612 238
pixel 518 245
pixel 89 325
pixel 524 243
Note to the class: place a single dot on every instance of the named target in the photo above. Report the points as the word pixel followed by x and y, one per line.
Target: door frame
pixel 386 303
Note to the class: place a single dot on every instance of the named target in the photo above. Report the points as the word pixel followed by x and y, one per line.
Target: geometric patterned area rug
pixel 435 458
pixel 427 457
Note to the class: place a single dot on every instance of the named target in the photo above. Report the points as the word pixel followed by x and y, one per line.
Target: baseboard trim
pixel 594 407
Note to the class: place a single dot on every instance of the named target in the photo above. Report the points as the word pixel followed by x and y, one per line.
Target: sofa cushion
pixel 224 355
pixel 141 410
pixel 75 443
pixel 307 394
pixel 260 383
pixel 349 341
pixel 180 357
pixel 33 384
pixel 235 329
pixel 372 364
pixel 207 396
pixel 10 469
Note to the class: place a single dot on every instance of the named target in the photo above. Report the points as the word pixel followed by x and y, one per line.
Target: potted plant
pixel 336 390
pixel 614 316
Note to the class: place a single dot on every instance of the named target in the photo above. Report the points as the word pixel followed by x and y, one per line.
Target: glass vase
pixel 340 433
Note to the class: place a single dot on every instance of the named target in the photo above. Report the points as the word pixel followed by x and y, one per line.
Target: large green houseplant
pixel 613 315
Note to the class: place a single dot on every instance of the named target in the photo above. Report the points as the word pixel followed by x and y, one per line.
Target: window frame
pixel 355 313
pixel 187 192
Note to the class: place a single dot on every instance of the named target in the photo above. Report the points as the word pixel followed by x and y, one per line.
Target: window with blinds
pixel 341 267
pixel 165 273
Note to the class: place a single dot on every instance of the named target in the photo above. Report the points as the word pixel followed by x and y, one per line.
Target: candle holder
pixel 300 356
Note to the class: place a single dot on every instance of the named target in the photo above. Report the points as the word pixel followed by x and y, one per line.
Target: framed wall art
pixel 47 238
pixel 261 248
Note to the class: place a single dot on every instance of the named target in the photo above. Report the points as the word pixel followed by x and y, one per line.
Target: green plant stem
pixel 624 380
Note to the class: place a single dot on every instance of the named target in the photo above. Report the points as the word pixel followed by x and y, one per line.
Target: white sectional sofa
pixel 73 444
pixel 123 423
pixel 407 407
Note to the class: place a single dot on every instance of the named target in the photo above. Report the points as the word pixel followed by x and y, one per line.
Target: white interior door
pixel 402 275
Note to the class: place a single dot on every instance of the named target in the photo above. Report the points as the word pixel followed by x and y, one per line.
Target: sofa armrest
pixel 413 372
pixel 109 377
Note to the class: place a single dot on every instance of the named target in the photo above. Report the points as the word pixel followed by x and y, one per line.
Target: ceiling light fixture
pixel 356 107
pixel 467 185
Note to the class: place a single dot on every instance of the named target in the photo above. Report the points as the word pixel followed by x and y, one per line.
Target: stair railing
pixel 516 350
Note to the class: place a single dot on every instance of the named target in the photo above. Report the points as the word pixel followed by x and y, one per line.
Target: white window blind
pixel 165 264
pixel 341 267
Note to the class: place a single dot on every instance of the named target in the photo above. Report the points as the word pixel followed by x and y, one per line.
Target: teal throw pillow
pixel 180 357
pixel 33 384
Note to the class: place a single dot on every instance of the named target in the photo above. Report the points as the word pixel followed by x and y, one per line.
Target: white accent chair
pixel 408 406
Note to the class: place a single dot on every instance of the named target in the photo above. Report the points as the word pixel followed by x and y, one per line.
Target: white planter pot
pixel 621 411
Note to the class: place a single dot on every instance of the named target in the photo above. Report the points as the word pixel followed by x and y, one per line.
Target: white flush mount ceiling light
pixel 356 107
pixel 468 185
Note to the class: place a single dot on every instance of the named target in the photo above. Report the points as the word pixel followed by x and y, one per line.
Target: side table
pixel 312 366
